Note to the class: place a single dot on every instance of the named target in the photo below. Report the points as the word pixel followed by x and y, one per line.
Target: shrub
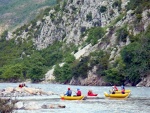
pixel 95 34
pixel 122 34
pixel 81 68
pixel 89 17
pixel 103 9
pixel 138 17
pixel 63 74
pixel 112 76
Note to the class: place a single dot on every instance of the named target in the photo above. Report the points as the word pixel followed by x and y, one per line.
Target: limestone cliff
pixel 69 20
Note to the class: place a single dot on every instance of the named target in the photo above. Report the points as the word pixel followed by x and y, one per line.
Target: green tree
pixel 113 76
pixel 13 73
pixel 95 34
pixel 89 17
pixel 103 9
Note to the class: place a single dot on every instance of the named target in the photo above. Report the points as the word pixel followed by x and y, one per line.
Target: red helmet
pixel 68 88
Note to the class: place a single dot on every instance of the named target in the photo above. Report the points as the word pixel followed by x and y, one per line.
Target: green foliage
pixel 138 17
pixel 136 58
pixel 12 73
pixel 63 74
pixel 103 9
pixel 117 19
pixel 36 74
pixel 134 38
pixel 58 1
pixel 89 17
pixel 95 34
pixel 81 68
pixel 52 54
pixel 64 5
pixel 57 8
pixel 99 59
pixel 138 5
pixel 4 34
pixel 112 76
pixel 122 34
pixel 70 59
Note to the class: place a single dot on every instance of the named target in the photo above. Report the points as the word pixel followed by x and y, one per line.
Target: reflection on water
pixel 138 102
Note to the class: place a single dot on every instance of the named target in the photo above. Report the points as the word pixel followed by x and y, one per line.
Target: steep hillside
pixel 90 42
pixel 14 13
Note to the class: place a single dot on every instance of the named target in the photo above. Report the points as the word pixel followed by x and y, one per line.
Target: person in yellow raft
pixel 122 89
pixel 78 93
pixel 114 89
pixel 69 92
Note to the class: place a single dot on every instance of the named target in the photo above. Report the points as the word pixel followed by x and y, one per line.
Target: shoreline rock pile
pixel 23 91
pixel 35 106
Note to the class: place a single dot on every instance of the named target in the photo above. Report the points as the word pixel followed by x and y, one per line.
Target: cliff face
pixel 109 41
pixel 77 16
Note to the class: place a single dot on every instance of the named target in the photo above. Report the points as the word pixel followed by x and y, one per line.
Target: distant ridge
pixel 18 12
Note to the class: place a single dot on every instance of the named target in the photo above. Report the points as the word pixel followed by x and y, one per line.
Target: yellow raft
pixel 126 91
pixel 118 95
pixel 72 97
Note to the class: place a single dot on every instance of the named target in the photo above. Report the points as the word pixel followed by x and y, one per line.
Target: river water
pixel 138 102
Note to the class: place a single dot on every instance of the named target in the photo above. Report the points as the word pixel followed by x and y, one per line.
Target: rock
pixel 9 89
pixel 31 106
pixel 19 105
pixel 144 82
pixel 61 106
pixel 92 79
pixel 53 106
pixel 56 106
pixel 44 106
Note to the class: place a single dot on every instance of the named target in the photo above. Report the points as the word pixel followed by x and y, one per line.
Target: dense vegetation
pixel 21 61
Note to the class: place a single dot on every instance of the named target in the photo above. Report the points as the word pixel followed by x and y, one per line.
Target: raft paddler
pixel 69 92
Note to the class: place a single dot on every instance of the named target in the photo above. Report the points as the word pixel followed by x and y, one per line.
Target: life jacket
pixel 69 93
pixel 123 91
pixel 79 93
pixel 20 85
pixel 91 94
pixel 116 89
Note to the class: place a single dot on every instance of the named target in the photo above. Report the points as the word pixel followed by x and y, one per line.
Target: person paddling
pixel 116 89
pixel 78 93
pixel 122 89
pixel 90 93
pixel 69 92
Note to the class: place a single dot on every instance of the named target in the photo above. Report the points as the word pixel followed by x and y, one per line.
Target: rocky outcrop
pixel 91 80
pixel 72 20
pixel 144 82
pixel 24 91
pixel 35 106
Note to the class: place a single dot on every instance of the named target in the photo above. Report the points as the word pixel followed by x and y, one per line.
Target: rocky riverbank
pixel 10 99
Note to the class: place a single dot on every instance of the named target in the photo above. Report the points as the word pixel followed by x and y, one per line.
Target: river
pixel 138 102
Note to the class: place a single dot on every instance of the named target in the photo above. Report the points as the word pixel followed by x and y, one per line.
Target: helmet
pixel 78 89
pixel 68 88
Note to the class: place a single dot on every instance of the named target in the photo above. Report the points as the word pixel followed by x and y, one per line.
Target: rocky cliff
pixel 68 21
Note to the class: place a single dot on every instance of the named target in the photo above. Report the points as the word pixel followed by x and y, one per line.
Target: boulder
pixel 32 106
pixel 52 106
pixel 19 105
